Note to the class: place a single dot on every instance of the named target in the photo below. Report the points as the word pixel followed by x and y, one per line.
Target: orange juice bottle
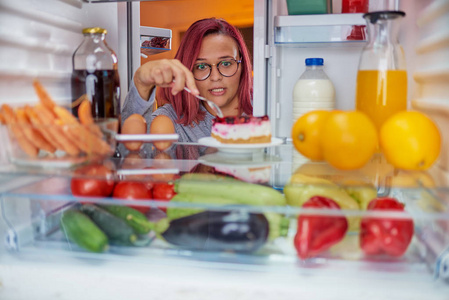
pixel 380 94
pixel 382 76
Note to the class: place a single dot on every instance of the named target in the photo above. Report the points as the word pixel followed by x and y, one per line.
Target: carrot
pixel 85 113
pixel 78 101
pixel 44 97
pixel 71 133
pixel 47 118
pixel 2 119
pixel 32 116
pixel 87 141
pixel 85 116
pixel 32 133
pixel 24 143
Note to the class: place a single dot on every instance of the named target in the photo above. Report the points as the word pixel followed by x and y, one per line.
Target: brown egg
pixel 162 125
pixel 134 124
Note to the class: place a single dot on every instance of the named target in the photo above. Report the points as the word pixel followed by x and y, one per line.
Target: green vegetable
pixel 362 194
pixel 81 230
pixel 115 228
pixel 180 212
pixel 134 218
pixel 297 195
pixel 237 191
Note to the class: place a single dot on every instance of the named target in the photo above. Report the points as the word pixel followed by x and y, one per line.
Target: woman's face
pixel 222 90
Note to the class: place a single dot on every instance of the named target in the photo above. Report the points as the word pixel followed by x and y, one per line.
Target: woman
pixel 212 61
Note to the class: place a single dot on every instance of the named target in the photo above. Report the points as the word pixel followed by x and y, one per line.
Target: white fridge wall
pixel 38 38
pixel 340 64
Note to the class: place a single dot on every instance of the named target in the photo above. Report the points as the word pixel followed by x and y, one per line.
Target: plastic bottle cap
pixel 314 61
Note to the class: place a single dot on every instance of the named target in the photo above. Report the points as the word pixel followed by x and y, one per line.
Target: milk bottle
pixel 313 90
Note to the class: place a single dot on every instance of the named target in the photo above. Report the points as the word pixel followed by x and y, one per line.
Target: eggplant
pixel 234 231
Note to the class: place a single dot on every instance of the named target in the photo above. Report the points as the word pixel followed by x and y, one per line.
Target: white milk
pixel 314 90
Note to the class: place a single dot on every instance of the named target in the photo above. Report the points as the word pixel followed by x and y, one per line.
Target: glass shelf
pixel 33 201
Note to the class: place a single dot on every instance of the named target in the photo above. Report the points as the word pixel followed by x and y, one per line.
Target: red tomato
pixel 133 190
pixel 163 192
pixel 93 181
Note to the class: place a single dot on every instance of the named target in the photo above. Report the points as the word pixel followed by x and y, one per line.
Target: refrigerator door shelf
pixel 154 40
pixel 331 29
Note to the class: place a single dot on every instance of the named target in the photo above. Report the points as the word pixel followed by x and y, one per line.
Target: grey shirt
pixel 190 133
pixel 134 104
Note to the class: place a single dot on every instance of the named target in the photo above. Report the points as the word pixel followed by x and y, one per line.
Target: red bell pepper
pixel 317 233
pixel 385 235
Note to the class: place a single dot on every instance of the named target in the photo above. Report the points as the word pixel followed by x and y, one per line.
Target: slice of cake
pixel 242 130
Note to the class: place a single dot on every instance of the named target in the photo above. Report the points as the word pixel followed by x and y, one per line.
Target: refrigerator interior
pixel 38 39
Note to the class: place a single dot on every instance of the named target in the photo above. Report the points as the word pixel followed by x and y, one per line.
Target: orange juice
pixel 380 94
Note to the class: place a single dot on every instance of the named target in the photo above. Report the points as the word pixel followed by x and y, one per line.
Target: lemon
pixel 348 140
pixel 410 140
pixel 306 133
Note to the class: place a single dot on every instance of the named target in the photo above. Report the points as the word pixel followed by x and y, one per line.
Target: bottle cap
pixel 94 30
pixel 314 61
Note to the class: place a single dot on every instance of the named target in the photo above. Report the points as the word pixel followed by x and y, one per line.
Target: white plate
pixel 245 160
pixel 238 148
pixel 45 161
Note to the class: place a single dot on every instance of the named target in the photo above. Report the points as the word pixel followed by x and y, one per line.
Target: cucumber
pixel 81 230
pixel 180 212
pixel 134 218
pixel 116 229
pixel 238 191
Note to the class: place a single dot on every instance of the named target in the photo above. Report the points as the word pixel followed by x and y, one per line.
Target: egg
pixel 162 125
pixel 134 124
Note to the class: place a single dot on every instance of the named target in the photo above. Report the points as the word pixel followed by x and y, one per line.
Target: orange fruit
pixel 306 133
pixel 348 140
pixel 410 140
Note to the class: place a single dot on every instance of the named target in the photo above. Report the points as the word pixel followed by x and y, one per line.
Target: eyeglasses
pixel 227 68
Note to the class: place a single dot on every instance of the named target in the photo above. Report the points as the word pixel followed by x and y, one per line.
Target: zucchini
pixel 81 230
pixel 115 228
pixel 239 192
pixel 180 212
pixel 134 218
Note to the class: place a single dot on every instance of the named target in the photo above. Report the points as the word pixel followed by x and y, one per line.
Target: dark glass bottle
pixel 95 73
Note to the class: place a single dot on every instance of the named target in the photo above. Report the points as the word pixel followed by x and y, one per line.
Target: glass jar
pixel 382 76
pixel 95 74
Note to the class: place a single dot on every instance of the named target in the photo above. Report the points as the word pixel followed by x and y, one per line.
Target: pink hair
pixel 186 106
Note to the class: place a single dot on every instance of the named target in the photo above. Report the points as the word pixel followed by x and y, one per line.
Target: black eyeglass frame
pixel 217 65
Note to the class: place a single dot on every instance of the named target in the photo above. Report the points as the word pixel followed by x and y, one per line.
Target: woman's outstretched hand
pixel 165 73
